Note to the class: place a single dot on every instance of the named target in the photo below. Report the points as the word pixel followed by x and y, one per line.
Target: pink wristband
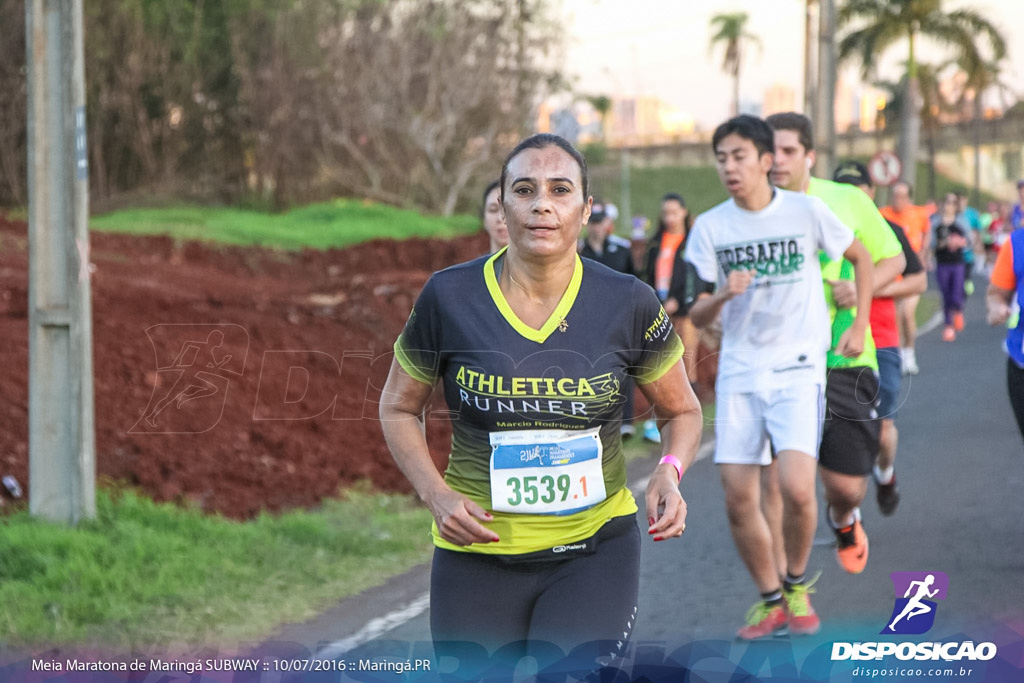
pixel 674 461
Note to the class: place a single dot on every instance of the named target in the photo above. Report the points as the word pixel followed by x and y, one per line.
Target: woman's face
pixel 672 215
pixel 951 204
pixel 494 219
pixel 544 205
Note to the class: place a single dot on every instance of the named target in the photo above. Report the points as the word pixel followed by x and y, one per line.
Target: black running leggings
pixel 1015 383
pixel 501 604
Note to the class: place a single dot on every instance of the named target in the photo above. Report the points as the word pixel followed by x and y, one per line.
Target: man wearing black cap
pixel 603 246
pixel 885 332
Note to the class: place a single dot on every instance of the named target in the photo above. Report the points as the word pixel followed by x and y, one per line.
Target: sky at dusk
pixel 661 48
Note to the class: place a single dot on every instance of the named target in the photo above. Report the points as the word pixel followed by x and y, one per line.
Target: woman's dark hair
pixel 687 222
pixel 483 200
pixel 749 128
pixel 543 141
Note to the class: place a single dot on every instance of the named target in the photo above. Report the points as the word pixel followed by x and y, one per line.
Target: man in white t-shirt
pixel 758 253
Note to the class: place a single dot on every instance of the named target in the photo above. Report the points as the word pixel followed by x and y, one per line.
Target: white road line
pixel 376 627
pixel 932 323
pixel 402 615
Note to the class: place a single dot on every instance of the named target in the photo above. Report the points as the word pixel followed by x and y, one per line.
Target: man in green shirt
pixel 849 443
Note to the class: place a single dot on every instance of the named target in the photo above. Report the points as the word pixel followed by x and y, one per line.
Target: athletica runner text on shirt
pixel 576 397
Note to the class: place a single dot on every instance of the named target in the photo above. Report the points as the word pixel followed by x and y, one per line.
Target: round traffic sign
pixel 885 168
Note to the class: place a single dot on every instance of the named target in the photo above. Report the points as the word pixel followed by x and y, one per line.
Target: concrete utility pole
pixel 62 461
pixel 825 123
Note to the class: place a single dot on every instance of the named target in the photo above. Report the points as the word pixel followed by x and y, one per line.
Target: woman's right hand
pixel 457 518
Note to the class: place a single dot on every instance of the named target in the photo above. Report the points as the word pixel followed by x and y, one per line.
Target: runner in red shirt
pixel 884 331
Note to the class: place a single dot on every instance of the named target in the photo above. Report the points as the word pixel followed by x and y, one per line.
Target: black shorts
pixel 535 602
pixel 849 439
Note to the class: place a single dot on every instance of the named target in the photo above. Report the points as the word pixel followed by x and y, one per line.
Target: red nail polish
pixel 658 538
pixel 650 521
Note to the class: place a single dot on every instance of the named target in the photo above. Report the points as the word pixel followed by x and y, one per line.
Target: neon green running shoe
pixel 803 620
pixel 764 620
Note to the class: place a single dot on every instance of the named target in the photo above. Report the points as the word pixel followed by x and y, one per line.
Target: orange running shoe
pixel 948 334
pixel 958 322
pixel 803 620
pixel 852 547
pixel 764 620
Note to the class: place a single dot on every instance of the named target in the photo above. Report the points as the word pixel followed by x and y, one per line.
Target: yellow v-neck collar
pixel 556 317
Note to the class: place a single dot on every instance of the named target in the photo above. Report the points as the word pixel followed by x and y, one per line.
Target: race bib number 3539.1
pixel 546 471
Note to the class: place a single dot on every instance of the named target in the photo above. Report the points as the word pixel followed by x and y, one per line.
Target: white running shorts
pixel 748 426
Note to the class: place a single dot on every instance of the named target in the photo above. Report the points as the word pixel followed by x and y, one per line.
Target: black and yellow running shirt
pixel 536 412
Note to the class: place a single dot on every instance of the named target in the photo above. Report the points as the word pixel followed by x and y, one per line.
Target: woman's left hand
pixel 666 509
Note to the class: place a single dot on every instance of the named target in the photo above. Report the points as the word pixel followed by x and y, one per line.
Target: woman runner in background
pixel 492 217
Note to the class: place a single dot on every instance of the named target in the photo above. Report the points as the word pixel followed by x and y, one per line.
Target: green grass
pixel 337 223
pixel 143 574
pixel 929 304
pixel 699 186
pixel 344 222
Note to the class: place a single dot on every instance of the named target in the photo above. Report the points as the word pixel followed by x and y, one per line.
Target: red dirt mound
pixel 236 379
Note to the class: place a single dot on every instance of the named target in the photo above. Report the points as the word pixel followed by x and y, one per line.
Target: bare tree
pixel 13 149
pixel 422 96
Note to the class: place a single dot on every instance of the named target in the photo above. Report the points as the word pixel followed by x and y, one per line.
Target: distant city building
pixel 564 123
pixel 752 107
pixel 778 98
pixel 636 121
pixel 846 106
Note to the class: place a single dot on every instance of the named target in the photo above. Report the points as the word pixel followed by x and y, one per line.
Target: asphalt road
pixel 961 471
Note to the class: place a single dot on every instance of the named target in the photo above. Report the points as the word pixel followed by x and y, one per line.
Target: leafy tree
pixel 731 29
pixel 602 104
pixel 873 26
pixel 402 101
pixel 13 105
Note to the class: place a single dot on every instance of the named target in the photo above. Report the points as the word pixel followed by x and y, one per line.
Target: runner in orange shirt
pixel 914 221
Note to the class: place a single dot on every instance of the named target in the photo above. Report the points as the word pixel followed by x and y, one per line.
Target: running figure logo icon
pixel 914 612
pixel 194 366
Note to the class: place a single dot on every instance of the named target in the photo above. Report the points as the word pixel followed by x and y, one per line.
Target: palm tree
pixel 884 23
pixel 731 30
pixel 981 76
pixel 932 105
